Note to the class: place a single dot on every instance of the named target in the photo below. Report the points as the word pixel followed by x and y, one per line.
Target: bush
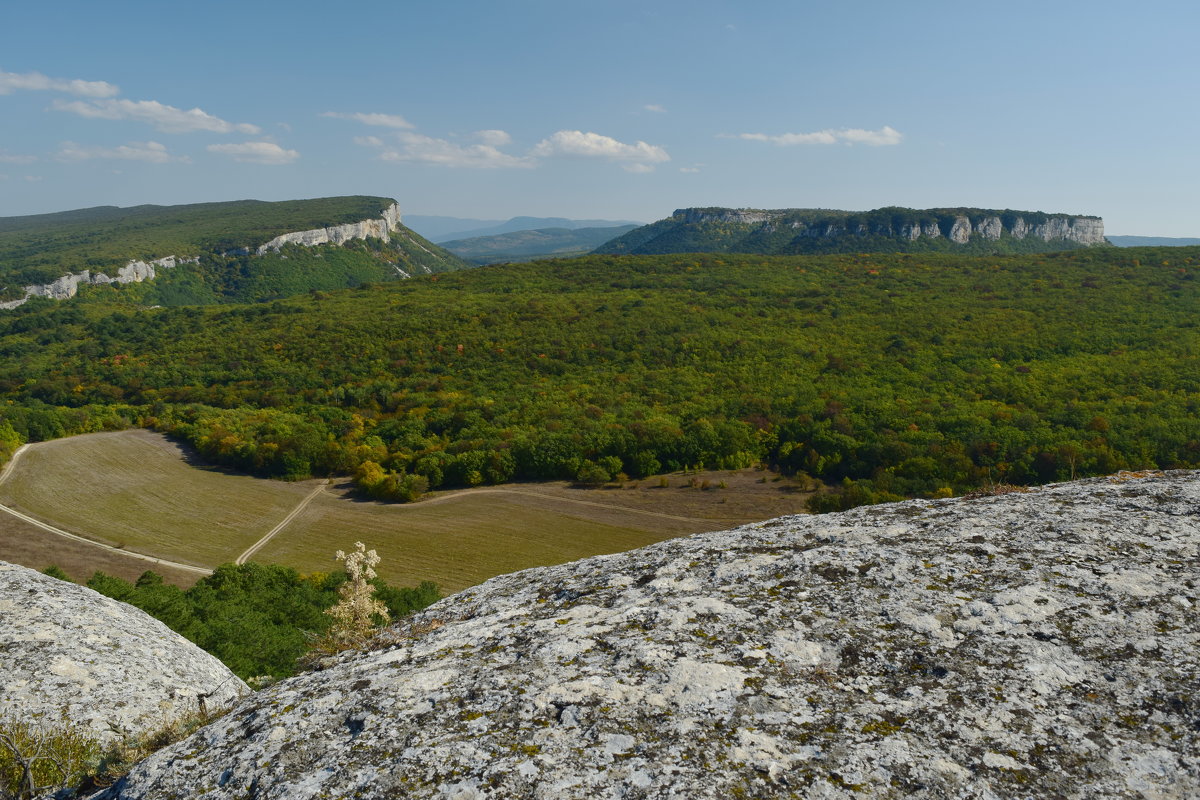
pixel 37 757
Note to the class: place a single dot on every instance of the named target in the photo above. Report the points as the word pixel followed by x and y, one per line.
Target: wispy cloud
pixel 164 118
pixel 442 152
pixel 381 120
pixel 152 152
pixel 494 138
pixel 689 170
pixel 255 152
pixel 37 82
pixel 14 158
pixel 637 157
pixel 886 135
pixel 655 107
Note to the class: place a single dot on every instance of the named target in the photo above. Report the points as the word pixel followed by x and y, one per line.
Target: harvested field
pixel 136 490
pixel 139 490
pixel 30 546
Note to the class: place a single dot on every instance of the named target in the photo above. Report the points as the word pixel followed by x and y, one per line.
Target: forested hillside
pixel 896 374
pixel 40 249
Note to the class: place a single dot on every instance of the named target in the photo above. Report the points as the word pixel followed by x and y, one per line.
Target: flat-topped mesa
pixel 380 228
pixel 815 230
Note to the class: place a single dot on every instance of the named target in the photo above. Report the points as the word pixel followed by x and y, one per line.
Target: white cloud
pixel 655 107
pixel 594 145
pixel 152 152
pixel 689 170
pixel 427 150
pixel 36 81
pixel 494 138
pixel 255 152
pixel 381 120
pixel 33 178
pixel 368 141
pixel 886 135
pixel 637 168
pixel 13 158
pixel 167 119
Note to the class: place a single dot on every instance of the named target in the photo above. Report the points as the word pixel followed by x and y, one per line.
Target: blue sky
pixel 608 109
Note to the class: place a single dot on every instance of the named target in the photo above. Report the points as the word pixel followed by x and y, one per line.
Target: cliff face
pixel 110 668
pixel 787 231
pixel 136 271
pixel 380 228
pixel 1033 644
pixel 68 285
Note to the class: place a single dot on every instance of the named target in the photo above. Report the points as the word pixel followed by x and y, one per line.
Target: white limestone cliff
pixel 68 285
pixel 136 271
pixel 380 228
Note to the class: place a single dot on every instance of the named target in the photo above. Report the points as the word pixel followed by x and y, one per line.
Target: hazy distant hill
pixel 445 229
pixel 800 230
pixel 1152 241
pixel 242 250
pixel 527 245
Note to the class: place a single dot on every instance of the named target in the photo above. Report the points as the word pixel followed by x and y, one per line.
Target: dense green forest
pixel 796 231
pixel 39 249
pixel 256 618
pixel 891 375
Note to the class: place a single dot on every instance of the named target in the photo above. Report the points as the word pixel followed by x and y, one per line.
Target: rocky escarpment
pixel 381 228
pixel 69 653
pixel 1033 644
pixel 136 271
pixel 787 231
pixel 68 285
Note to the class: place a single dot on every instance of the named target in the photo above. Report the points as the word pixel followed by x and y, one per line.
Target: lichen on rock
pixel 1033 644
pixel 69 654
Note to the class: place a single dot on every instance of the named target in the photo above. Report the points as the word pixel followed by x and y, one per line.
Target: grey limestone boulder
pixel 70 654
pixel 1041 643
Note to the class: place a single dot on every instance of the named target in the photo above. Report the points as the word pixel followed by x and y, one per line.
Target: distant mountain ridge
pixel 239 250
pixel 1153 241
pixel 447 229
pixel 892 229
pixel 527 245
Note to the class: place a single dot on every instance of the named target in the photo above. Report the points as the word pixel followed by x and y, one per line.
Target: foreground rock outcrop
pixel 1034 644
pixel 70 654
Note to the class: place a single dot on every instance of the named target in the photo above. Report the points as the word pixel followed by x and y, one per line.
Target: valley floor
pixel 129 498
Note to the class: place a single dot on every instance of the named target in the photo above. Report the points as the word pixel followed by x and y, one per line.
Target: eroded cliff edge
pixel 136 271
pixel 1033 644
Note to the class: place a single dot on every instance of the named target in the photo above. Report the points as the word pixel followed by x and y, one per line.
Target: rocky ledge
pixel 70 654
pixel 1032 644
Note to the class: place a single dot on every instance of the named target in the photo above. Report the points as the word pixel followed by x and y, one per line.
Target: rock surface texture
pixel 340 234
pixel 68 285
pixel 67 652
pixel 1033 644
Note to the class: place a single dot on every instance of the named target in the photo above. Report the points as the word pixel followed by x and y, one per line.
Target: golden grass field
pixel 142 492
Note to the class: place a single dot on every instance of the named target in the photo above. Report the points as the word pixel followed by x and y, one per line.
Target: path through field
pixel 141 497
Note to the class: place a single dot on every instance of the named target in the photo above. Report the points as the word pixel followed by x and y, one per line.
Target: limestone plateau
pixel 795 231
pixel 1037 643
